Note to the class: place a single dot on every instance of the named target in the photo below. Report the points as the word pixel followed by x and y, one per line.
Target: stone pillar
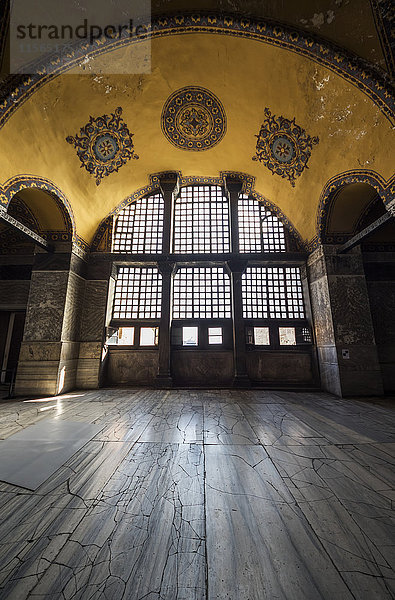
pixel 96 315
pixel 49 351
pixel 164 378
pixel 168 186
pixel 346 345
pixel 234 187
pixel 236 268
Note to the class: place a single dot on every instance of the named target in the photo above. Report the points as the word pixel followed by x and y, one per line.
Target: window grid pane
pixel 259 229
pixel 139 227
pixel 272 293
pixel 201 293
pixel 201 221
pixel 138 293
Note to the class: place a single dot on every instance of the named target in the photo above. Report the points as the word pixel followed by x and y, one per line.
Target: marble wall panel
pixel 350 310
pixel 37 377
pixel 127 366
pixel 70 351
pixel 88 373
pixel 94 311
pixel 44 317
pixel 280 368
pixel 342 321
pixel 89 350
pixel 344 264
pixel 67 373
pixel 89 364
pixel 200 367
pixel 37 351
pixel 316 265
pixel 13 294
pixel 73 308
pixel 321 310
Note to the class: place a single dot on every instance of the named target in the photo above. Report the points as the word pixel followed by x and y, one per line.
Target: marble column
pixel 168 186
pixel 96 315
pixel 236 269
pixel 344 332
pixel 49 351
pixel 164 377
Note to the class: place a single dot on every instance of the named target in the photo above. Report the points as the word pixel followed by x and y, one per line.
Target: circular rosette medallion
pixel 193 119
pixel 105 146
pixel 282 148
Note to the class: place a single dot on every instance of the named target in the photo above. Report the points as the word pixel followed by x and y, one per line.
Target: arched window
pixel 259 229
pixel 216 292
pixel 139 227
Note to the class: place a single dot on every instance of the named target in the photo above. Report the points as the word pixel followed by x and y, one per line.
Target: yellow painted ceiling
pixel 247 76
pixel 348 23
pixel 350 203
pixel 45 209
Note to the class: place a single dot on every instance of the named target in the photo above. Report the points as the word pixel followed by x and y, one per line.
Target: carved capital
pixel 237 265
pixel 166 268
pixel 168 182
pixel 233 184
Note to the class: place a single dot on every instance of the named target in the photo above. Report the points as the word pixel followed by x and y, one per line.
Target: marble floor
pixel 203 495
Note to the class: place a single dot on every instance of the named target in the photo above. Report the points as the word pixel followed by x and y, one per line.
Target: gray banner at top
pixel 56 34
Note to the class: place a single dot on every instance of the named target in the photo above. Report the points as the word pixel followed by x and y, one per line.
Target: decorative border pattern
pixel 193 118
pixel 102 241
pixel 104 145
pixel 283 147
pixel 22 213
pixel 348 66
pixel 384 189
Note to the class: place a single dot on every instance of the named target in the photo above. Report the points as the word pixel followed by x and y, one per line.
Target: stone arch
pixel 369 184
pixel 41 205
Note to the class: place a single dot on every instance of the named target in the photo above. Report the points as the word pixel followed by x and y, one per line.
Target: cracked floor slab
pixel 205 495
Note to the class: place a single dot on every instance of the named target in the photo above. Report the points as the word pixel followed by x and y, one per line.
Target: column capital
pixel 237 265
pixel 233 184
pixel 166 267
pixel 169 182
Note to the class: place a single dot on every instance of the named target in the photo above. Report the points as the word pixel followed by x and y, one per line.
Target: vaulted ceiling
pixel 257 79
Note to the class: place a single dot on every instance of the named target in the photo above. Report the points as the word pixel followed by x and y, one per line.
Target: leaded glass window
pixel 272 293
pixel 201 221
pixel 259 229
pixel 138 293
pixel 201 292
pixel 139 227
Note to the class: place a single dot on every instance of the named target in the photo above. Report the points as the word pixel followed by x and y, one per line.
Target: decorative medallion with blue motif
pixel 193 118
pixel 283 147
pixel 104 145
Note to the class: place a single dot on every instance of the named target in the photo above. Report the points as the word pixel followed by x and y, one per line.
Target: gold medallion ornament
pixel 194 119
